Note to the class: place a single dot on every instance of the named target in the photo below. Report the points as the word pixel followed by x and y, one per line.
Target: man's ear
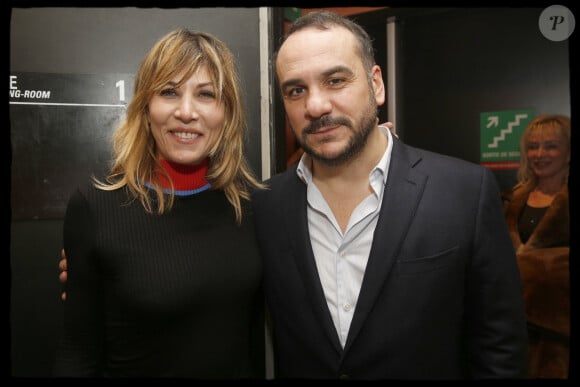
pixel 378 85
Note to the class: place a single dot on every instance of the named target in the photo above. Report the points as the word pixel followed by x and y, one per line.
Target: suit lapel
pixel 401 197
pixel 297 228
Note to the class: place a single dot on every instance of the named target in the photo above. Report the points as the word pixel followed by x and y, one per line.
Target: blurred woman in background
pixel 538 217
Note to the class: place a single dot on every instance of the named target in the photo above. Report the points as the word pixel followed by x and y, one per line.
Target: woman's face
pixel 186 121
pixel 548 153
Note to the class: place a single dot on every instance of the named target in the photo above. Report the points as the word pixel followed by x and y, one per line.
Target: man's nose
pixel 318 103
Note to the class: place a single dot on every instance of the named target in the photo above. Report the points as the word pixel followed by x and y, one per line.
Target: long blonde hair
pixel 547 123
pixel 134 151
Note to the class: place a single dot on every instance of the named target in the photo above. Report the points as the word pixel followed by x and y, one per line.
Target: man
pixel 381 261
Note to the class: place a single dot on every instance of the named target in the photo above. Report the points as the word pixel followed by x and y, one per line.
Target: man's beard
pixel 356 143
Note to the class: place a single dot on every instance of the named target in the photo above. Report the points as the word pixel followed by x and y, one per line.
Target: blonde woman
pixel 538 217
pixel 164 277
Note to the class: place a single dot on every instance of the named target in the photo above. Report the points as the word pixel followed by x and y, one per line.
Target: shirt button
pixel 346 307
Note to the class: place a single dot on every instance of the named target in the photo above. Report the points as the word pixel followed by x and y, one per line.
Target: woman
pixel 537 213
pixel 164 277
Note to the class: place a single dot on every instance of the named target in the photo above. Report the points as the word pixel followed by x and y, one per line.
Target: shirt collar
pixel 304 169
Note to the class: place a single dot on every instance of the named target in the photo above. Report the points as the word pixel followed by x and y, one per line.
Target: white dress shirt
pixel 341 259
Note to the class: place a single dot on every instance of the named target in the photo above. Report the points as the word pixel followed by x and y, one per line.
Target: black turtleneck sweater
pixel 172 295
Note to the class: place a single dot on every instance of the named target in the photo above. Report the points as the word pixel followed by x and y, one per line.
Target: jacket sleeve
pixel 497 333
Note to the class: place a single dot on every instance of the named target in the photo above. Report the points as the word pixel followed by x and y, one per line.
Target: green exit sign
pixel 500 134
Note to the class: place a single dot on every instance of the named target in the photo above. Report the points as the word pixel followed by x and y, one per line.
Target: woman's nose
pixel 186 110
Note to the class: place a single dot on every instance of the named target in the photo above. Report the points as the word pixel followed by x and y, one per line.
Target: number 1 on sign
pixel 121 86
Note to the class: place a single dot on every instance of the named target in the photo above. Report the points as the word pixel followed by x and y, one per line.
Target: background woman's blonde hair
pixel 182 52
pixel 547 123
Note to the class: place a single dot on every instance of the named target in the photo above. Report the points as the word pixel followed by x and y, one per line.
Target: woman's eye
pixel 168 92
pixel 207 94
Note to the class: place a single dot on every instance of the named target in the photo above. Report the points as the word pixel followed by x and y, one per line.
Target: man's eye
pixel 294 92
pixel 335 81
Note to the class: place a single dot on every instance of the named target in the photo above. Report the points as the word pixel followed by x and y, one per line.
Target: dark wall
pixel 455 63
pixel 54 147
pixel 458 63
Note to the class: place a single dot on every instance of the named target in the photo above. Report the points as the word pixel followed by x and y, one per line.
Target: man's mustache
pixel 325 121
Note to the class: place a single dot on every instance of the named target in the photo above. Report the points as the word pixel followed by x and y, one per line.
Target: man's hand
pixel 63 275
pixel 391 128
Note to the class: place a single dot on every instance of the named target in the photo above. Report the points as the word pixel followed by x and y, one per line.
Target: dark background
pixel 59 141
pixel 455 63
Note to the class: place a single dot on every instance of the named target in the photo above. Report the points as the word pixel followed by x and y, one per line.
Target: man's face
pixel 330 103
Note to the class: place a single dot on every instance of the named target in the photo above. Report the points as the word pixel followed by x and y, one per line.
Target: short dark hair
pixel 324 20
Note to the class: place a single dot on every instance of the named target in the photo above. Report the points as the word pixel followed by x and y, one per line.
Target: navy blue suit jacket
pixel 441 296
